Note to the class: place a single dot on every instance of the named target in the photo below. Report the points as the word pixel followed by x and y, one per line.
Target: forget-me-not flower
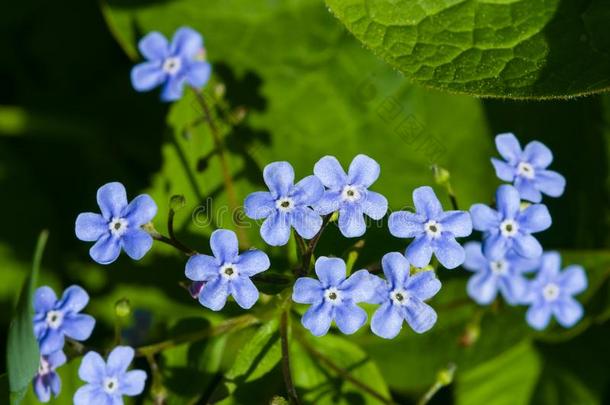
pixel 47 381
pixel 285 205
pixel 510 227
pixel 173 65
pixel 349 194
pixel 333 297
pixel 434 230
pixel 527 168
pixel 402 297
pixel 551 293
pixel 55 319
pixel 227 272
pixel 505 275
pixel 118 226
pixel 108 382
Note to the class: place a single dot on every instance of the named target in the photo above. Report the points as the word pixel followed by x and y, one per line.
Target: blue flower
pixel 527 168
pixel 108 382
pixel 402 297
pixel 333 297
pixel 54 319
pixel 434 230
pixel 47 381
pixel 227 272
pixel 349 194
pixel 510 227
pixel 285 205
pixel 550 293
pixel 173 65
pixel 504 275
pixel 119 225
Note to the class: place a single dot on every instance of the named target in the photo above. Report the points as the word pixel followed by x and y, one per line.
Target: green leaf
pixel 504 48
pixel 23 356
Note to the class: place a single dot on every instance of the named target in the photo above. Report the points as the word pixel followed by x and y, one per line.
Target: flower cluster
pixel 509 250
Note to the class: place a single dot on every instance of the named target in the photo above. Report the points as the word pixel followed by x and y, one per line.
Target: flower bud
pixel 122 308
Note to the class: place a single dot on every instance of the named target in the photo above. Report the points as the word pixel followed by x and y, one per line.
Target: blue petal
pixel 534 218
pixel 423 285
pixel 252 262
pixel 426 202
pixel 331 174
pixel 330 202
pixel 173 88
pixel 351 221
pixel 363 171
pixel 419 252
pixel 318 318
pixel 78 327
pixel 132 383
pixel 154 46
pixel 538 315
pixel 276 229
pixel 259 205
pixel 306 221
pixel 147 75
pixel 244 292
pixel 307 290
pixel 419 315
pixel 349 317
pixel 550 183
pixel 482 287
pixel 550 266
pixel 568 311
pixel 573 280
pixel 44 299
pixel 92 368
pixel 495 246
pixel 509 147
pixel 55 383
pixel 484 218
pixel 514 289
pixel 279 177
pixel 396 269
pixel 475 261
pixel 537 154
pixel 224 245
pixel 186 42
pixel 448 252
pixel 456 222
pixel 307 191
pixel 112 199
pixel 52 341
pixel 42 391
pixel 91 395
pixel 74 299
pixel 358 287
pixel 508 201
pixel 136 243
pixel 106 249
pixel 201 268
pixel 521 264
pixel 387 321
pixel 214 294
pixel 380 290
pixel 527 246
pixel 330 271
pixel 90 227
pixel 57 359
pixel 198 73
pixel 504 171
pixel 404 224
pixel 374 205
pixel 141 210
pixel 527 190
pixel 119 360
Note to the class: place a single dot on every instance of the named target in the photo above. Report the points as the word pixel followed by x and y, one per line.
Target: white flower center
pixel 350 193
pixel 433 229
pixel 111 385
pixel 44 367
pixel 499 267
pixel 509 227
pixel 550 292
pixel 172 65
pixel 229 271
pixel 399 297
pixel 284 204
pixel 118 226
pixel 332 295
pixel 526 170
pixel 54 319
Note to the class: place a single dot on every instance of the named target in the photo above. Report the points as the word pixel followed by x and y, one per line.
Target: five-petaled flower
pixel 349 194
pixel 55 319
pixel 402 297
pixel 285 205
pixel 527 168
pixel 227 272
pixel 434 230
pixel 510 227
pixel 333 297
pixel 505 275
pixel 47 381
pixel 119 225
pixel 173 65
pixel 108 382
pixel 551 293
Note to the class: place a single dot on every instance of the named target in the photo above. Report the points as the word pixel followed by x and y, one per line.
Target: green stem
pixel 290 389
pixel 311 247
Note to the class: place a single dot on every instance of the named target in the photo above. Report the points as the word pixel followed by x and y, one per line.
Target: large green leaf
pixel 506 48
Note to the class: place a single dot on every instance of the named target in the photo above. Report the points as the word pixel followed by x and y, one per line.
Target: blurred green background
pixel 70 122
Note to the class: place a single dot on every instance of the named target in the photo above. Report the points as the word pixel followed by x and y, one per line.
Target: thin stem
pixel 175 243
pixel 311 247
pixel 290 389
pixel 443 378
pixel 452 197
pixel 434 388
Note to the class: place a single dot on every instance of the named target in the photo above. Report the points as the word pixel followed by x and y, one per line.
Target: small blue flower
pixel 285 205
pixel 47 381
pixel 227 272
pixel 510 227
pixel 504 275
pixel 349 194
pixel 333 297
pixel 54 319
pixel 527 168
pixel 108 382
pixel 550 293
pixel 402 297
pixel 173 65
pixel 119 225
pixel 434 230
